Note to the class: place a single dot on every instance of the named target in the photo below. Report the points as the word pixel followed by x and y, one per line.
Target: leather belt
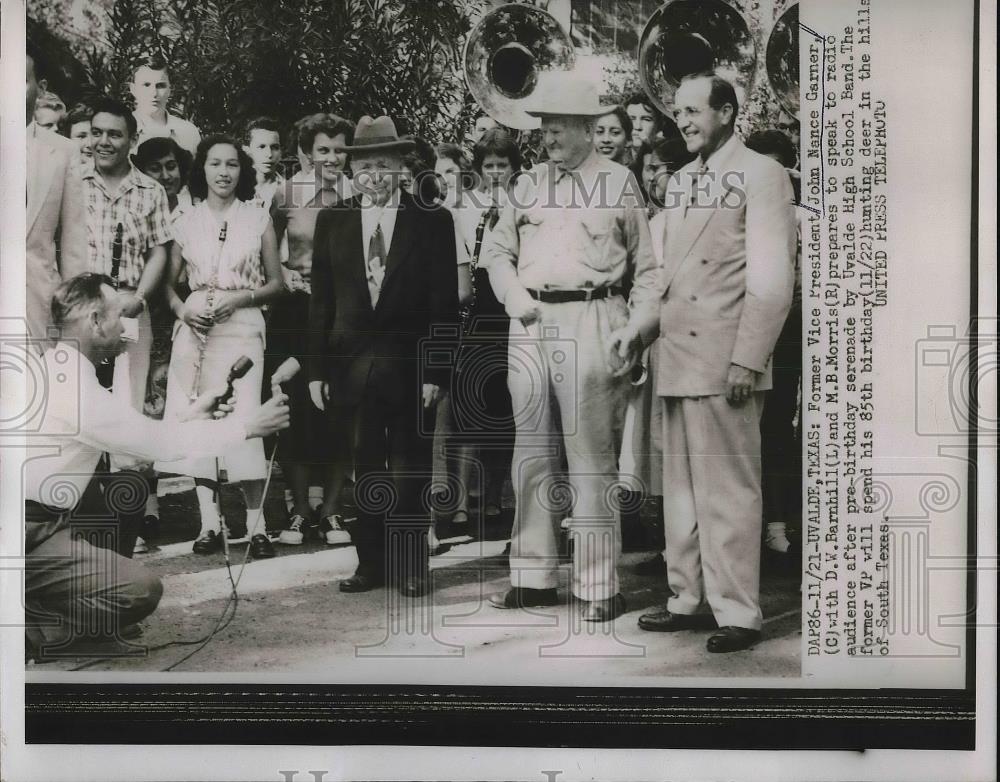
pixel 585 294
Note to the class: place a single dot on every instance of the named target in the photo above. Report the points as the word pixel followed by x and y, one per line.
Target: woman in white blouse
pixel 227 246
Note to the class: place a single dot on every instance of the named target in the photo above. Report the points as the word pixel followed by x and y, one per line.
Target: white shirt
pixel 82 419
pixel 180 130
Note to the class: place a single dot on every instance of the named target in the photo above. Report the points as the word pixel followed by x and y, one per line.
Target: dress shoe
pixel 522 597
pixel 732 639
pixel 261 547
pixel 209 543
pixel 654 566
pixel 603 610
pixel 360 582
pixel 413 586
pixel 665 621
pixel 434 545
pixel 130 631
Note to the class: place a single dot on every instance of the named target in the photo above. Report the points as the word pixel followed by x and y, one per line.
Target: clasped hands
pixel 225 304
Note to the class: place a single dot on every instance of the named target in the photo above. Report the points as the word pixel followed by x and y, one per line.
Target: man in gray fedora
pixel 572 262
pixel 383 286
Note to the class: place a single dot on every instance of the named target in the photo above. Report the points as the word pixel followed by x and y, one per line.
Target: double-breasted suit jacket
pixel 728 271
pixel 56 217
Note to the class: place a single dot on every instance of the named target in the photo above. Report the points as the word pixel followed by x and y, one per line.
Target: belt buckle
pixel 589 294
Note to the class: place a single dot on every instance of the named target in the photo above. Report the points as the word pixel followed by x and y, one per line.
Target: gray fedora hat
pixel 379 133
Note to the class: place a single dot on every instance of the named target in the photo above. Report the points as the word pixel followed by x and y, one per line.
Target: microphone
pixel 288 369
pixel 239 369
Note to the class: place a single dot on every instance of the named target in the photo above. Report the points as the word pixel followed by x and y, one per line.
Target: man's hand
pixel 270 418
pixel 431 394
pixel 520 306
pixel 740 384
pixel 131 304
pixel 293 280
pixel 625 348
pixel 208 405
pixel 319 392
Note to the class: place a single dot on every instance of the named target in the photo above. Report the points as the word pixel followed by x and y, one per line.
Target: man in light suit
pixel 728 270
pixel 56 215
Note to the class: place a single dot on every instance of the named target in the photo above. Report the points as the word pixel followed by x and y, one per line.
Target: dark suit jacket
pixel 407 339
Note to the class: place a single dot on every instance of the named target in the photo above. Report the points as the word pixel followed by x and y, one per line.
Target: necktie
pixel 376 263
pixel 695 188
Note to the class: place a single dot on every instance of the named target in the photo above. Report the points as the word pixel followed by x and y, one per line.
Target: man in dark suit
pixel 383 279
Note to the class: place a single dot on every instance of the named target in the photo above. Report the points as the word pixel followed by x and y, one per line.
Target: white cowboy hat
pixel 565 94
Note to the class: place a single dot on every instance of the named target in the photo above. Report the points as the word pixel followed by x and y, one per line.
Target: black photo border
pixel 626 717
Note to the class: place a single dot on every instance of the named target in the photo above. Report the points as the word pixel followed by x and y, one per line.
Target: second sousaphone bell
pixel 781 59
pixel 506 52
pixel 690 36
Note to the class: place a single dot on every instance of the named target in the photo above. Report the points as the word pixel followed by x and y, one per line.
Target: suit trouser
pixel 712 506
pixel 564 396
pixel 392 472
pixel 77 581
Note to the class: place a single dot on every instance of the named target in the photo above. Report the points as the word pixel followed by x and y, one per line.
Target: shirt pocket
pixel 596 238
pixel 529 225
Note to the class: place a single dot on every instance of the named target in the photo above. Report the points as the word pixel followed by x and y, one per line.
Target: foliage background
pixel 232 60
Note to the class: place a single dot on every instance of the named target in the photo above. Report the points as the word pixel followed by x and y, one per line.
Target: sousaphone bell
pixel 781 59
pixel 691 36
pixel 506 52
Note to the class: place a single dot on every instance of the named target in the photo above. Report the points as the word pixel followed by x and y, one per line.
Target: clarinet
pixel 213 283
pixel 106 370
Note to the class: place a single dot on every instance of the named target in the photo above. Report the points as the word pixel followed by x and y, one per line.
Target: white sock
pixel 289 500
pixel 255 522
pixel 775 538
pixel 315 496
pixel 210 520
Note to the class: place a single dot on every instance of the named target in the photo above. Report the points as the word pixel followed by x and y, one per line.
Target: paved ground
pixel 291 619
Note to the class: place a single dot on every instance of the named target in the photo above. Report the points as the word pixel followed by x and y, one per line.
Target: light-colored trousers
pixel 564 397
pixel 712 506
pixel 129 384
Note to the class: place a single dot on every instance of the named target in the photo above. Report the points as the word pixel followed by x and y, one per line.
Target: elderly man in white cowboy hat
pixel 383 277
pixel 572 262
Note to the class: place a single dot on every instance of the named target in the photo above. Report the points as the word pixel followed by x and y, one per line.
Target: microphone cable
pixel 233 600
pixel 231 603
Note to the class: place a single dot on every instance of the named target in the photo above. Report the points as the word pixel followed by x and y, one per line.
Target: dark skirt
pixel 480 399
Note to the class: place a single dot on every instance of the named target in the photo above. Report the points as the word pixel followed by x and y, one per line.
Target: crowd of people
pixel 462 320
